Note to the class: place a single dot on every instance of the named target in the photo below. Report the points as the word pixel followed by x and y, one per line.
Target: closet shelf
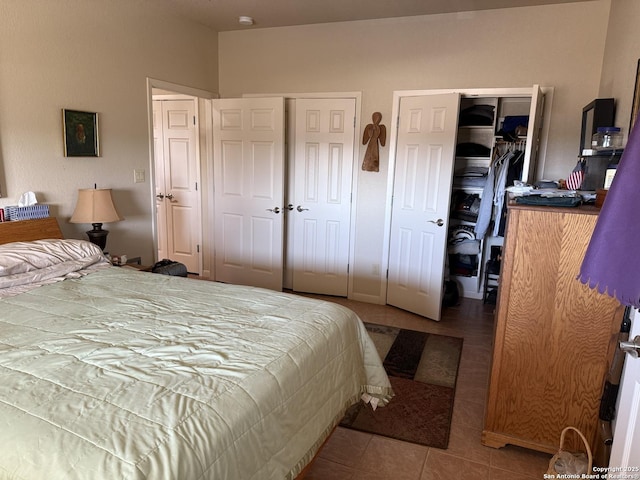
pixel 478 190
pixel 474 275
pixel 473 158
pixel 500 140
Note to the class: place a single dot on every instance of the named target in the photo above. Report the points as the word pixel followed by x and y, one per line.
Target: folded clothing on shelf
pixel 480 115
pixel 472 149
pixel 465 206
pixel 472 177
pixel 514 126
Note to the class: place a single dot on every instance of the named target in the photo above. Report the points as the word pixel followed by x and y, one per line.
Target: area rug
pixel 422 368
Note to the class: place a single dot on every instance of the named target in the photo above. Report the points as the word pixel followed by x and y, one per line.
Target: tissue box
pixel 13 212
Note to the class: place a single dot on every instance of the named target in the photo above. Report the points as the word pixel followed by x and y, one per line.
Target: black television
pixel 599 113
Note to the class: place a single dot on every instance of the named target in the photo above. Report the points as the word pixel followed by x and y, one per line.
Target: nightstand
pixel 117 260
pixel 137 266
pixel 132 262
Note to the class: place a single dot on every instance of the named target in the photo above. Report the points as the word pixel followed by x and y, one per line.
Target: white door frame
pixel 198 207
pixel 393 143
pixel 205 163
pixel 357 96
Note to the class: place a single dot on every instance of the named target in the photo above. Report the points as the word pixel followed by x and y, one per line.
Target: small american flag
pixel 574 182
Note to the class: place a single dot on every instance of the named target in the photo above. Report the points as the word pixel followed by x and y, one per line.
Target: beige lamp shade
pixel 95 205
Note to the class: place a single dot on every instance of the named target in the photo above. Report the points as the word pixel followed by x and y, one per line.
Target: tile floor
pixel 353 455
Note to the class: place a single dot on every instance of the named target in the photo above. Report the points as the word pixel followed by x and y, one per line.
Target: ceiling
pixel 222 15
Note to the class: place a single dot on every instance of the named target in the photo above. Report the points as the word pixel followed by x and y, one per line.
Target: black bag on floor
pixel 451 295
pixel 170 267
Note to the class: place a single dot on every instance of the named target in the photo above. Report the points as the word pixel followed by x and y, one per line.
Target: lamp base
pixel 98 235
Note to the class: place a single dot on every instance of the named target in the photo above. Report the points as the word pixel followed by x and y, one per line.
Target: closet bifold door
pixel 421 195
pixel 319 203
pixel 249 190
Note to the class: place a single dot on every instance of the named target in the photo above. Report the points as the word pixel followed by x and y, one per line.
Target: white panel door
pixel 625 451
pixel 425 156
pixel 177 180
pixel 249 195
pixel 320 207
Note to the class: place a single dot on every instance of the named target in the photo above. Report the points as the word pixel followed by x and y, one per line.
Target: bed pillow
pixel 22 257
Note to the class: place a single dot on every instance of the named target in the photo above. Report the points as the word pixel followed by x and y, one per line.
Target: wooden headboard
pixel 28 230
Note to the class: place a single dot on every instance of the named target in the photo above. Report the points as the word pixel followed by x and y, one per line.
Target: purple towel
pixel 611 263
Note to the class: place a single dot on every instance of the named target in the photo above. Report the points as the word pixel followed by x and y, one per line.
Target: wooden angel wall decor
pixel 373 133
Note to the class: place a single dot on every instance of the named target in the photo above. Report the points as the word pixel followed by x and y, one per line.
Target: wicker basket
pixel 577 461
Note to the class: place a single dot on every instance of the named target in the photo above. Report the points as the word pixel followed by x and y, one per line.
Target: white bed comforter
pixel 128 375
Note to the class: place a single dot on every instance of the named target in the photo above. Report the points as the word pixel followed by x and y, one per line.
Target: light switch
pixel 138 176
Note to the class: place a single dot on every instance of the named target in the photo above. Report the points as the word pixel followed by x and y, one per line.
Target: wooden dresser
pixel 554 337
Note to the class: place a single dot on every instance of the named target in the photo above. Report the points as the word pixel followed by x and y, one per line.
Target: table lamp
pixel 95 206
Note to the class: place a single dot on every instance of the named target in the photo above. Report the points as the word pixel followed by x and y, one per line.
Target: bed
pixel 108 372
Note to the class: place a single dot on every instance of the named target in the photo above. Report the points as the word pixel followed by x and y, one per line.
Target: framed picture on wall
pixel 636 99
pixel 80 132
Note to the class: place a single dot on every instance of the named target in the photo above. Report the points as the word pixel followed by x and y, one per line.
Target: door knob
pixel 632 347
pixel 160 196
pixel 290 207
pixel 300 209
pixel 274 210
pixel 169 196
pixel 438 222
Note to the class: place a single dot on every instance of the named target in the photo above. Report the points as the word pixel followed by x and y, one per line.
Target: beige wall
pixel 559 46
pixel 621 58
pixel 96 56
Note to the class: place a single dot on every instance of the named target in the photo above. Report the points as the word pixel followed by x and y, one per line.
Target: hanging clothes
pixel 499 191
pixel 486 205
pixel 487 201
pixel 514 172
